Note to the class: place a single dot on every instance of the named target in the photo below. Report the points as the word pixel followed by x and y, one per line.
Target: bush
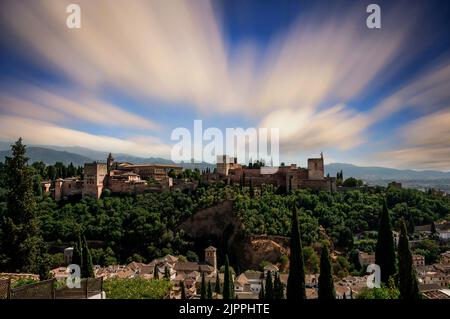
pixel 136 288
pixel 23 282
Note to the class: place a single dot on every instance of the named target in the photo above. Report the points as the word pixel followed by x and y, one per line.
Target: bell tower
pixel 211 256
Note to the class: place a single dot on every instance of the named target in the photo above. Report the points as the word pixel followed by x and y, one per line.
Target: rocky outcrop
pixel 218 225
pixel 256 249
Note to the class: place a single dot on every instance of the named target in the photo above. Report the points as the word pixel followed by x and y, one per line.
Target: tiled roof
pixel 192 266
pixel 253 275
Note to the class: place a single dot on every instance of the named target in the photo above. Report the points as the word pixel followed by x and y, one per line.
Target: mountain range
pixel 80 155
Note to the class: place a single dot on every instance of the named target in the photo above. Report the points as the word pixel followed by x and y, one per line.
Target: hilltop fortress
pixel 117 177
pixel 288 177
pixel 128 178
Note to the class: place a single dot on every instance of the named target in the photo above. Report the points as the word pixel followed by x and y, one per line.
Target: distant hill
pixel 382 173
pixel 49 156
pixel 80 155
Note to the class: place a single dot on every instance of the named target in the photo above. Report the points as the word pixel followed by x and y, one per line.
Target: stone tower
pixel 316 168
pixel 211 256
pixel 94 178
pixel 58 189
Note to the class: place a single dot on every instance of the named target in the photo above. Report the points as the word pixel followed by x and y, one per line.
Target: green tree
pixel 408 285
pixel 37 185
pixel 326 283
pixel 21 244
pixel 77 257
pixel 209 293
pixel 261 292
pixel 52 173
pixel 87 271
pixel 384 252
pixel 278 289
pixel 183 291
pixel 296 279
pixel 227 280
pixel 252 189
pixel 166 273
pixel 203 287
pixel 411 225
pixel 269 286
pixel 217 285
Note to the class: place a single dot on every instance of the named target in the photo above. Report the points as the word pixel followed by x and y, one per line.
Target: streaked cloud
pixel 62 106
pixel 426 143
pixel 41 132
pixel 302 82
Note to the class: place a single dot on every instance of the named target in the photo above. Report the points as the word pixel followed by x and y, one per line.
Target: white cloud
pixel 426 143
pixel 176 51
pixel 41 132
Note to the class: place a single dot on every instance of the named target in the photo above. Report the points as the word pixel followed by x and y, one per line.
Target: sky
pixel 136 70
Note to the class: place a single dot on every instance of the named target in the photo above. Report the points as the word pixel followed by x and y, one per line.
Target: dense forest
pixel 142 227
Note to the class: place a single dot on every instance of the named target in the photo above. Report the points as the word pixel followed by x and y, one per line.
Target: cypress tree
pixel 252 190
pixel 203 287
pixel 385 253
pixel 77 253
pixel 296 280
pixel 326 284
pixel 408 285
pixel 226 280
pixel 88 269
pixel 166 273
pixel 434 233
pixel 20 243
pixel 183 291
pixel 209 293
pixel 269 286
pixel 217 285
pixel 278 289
pixel 261 292
pixel 411 224
pixel 37 187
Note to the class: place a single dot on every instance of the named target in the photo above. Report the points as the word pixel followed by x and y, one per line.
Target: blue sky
pixel 136 71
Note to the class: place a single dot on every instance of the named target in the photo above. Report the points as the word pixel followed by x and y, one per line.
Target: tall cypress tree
pixel 411 224
pixel 77 257
pixel 278 289
pixel 217 285
pixel 21 243
pixel 166 273
pixel 252 189
pixel 296 280
pixel 408 286
pixel 269 286
pixel 261 292
pixel 203 287
pixel 226 280
pixel 326 284
pixel 183 290
pixel 87 270
pixel 385 252
pixel 209 293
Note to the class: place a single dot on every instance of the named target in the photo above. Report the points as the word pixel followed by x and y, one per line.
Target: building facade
pixel 289 177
